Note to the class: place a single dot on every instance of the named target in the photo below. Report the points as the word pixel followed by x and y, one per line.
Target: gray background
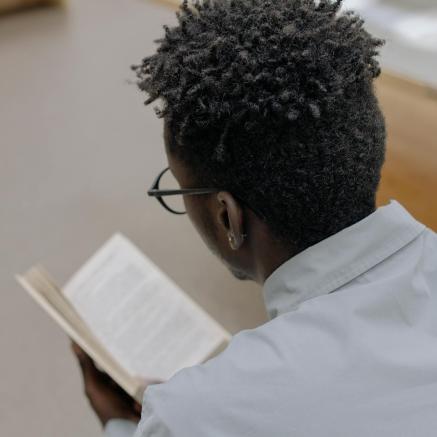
pixel 78 148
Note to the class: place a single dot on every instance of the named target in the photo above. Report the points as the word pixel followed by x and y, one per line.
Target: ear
pixel 231 219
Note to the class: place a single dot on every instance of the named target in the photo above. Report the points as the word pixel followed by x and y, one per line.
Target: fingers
pixel 91 375
pixel 84 360
pixel 137 408
pixel 76 348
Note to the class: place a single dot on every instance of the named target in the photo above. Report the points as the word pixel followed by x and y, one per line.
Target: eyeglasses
pixel 173 202
pixel 173 196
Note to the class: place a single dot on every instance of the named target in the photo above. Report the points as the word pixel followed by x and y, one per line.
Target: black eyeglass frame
pixel 154 191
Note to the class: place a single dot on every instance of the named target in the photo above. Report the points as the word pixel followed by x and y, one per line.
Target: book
pixel 128 316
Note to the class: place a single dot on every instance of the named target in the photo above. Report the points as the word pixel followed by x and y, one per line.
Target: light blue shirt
pixel 350 350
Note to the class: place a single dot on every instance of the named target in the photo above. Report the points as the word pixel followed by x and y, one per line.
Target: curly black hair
pixel 273 100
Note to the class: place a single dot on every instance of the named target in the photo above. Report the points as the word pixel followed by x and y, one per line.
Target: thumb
pixel 89 370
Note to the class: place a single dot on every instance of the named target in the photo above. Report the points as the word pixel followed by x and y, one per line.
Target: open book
pixel 133 321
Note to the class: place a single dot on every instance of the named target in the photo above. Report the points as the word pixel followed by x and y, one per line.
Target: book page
pixel 141 317
pixel 44 291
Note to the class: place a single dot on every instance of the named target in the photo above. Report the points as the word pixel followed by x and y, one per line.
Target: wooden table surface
pixel 410 172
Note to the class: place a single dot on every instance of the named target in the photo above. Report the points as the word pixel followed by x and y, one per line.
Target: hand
pixel 108 400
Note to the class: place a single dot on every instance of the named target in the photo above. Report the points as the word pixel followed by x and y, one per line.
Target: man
pixel 269 105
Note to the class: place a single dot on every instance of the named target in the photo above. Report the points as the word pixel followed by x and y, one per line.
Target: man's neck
pixel 268 253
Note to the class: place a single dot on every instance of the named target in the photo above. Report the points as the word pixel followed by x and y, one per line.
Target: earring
pixel 231 238
pixel 232 242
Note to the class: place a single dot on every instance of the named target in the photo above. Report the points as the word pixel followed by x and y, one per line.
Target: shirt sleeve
pixel 119 428
pixel 149 426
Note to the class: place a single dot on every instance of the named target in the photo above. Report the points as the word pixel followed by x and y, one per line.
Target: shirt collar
pixel 331 263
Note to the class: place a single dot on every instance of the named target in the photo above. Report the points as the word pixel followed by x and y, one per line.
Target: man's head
pixel 272 102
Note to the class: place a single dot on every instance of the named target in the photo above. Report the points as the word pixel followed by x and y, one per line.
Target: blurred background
pixel 78 150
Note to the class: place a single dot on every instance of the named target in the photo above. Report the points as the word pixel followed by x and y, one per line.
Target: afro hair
pixel 273 100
